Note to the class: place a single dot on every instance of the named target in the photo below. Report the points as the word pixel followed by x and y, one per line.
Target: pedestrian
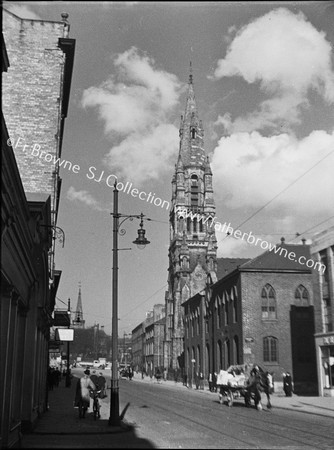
pixel 94 378
pixel 50 378
pixel 214 381
pixel 287 384
pixel 82 394
pixel 197 380
pixel 201 381
pixel 130 373
pixel 210 381
pixel 58 377
pixel 101 381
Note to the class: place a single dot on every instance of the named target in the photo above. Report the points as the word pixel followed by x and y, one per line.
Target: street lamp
pixel 141 242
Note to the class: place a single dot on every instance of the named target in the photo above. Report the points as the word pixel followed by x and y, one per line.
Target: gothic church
pixel 193 244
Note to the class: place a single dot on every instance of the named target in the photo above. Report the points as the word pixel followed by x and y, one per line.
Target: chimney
pixel 64 17
pixel 282 240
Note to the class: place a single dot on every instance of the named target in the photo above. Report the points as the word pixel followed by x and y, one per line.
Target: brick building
pixel 32 114
pixel 35 100
pixel 322 250
pixel 261 312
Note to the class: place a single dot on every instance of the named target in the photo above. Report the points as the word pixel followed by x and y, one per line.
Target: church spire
pixel 78 319
pixel 191 130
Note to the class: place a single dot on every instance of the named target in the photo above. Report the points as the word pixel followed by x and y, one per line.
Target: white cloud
pixel 250 169
pixel 22 11
pixel 287 56
pixel 84 197
pixel 136 107
pixel 145 156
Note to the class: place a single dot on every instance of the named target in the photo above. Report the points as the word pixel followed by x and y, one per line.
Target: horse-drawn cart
pixel 238 382
pixel 232 384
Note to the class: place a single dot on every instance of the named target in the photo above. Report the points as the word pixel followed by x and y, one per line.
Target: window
pixel 194 190
pixel 226 311
pixel 193 133
pixel 301 296
pixel 268 303
pixel 270 349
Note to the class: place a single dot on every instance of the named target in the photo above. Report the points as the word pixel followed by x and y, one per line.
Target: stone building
pixel 147 341
pixel 35 95
pixel 261 312
pixel 322 250
pixel 193 245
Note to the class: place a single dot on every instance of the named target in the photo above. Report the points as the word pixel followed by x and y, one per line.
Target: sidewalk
pixel 60 426
pixel 322 406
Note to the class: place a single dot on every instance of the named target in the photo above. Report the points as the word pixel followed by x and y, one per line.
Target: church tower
pixel 78 321
pixel 193 244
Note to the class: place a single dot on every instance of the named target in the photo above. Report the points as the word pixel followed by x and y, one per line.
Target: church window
pixel 193 132
pixel 268 306
pixel 195 225
pixel 226 312
pixel 188 224
pixel 194 190
pixel 301 296
pixel 200 226
pixel 270 349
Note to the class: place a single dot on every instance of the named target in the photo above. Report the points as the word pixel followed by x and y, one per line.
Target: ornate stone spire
pixel 191 131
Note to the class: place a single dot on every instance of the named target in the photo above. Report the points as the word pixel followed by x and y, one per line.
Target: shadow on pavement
pixel 60 426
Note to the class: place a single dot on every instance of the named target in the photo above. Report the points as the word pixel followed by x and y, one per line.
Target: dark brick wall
pixel 32 95
pixel 254 327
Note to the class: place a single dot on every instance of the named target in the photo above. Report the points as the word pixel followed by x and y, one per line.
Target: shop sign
pixel 328 340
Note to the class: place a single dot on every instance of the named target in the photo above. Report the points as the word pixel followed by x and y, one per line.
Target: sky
pixel 264 85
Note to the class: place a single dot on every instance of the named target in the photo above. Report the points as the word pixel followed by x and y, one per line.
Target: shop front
pixel 324 343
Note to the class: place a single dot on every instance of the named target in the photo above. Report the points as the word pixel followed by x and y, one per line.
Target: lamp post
pixel 68 377
pixel 141 242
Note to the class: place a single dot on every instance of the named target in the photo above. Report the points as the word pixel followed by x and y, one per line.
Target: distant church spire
pixel 78 319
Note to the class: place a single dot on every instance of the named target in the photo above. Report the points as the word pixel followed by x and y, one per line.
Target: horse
pixel 258 382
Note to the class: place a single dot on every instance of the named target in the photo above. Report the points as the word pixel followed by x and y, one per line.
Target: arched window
pixel 226 311
pixel 188 224
pixel 235 350
pixel 270 349
pixel 301 296
pixel 194 190
pixel 268 297
pixel 219 356
pixel 193 132
pixel 227 353
pixel 195 225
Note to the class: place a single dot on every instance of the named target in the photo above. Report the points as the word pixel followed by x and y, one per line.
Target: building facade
pixel 35 99
pixel 261 312
pixel 322 249
pixel 193 245
pixel 32 114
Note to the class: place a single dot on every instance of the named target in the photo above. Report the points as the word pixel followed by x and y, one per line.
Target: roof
pixel 227 265
pixel 282 257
